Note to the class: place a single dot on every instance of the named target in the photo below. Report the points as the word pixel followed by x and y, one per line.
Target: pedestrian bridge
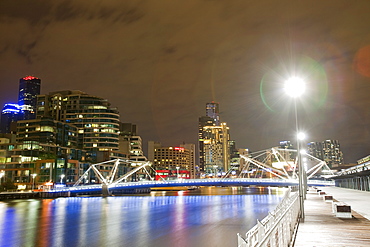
pixel 191 183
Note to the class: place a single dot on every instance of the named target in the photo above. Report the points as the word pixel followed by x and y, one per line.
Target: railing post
pixel 277 228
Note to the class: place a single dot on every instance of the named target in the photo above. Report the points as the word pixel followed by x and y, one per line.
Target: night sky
pixel 160 61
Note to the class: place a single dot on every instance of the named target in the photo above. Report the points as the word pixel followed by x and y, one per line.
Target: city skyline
pixel 160 63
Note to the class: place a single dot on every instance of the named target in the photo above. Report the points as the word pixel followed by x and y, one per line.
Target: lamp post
pixel 33 180
pixel 177 168
pixel 295 87
pixel 2 173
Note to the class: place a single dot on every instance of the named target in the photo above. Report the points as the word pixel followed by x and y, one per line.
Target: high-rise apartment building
pixel 47 131
pixel 328 151
pixel 96 121
pixel 333 156
pixel 315 149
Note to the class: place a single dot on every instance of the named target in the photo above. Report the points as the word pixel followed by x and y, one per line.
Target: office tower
pixel 29 88
pixel 216 148
pixel 213 135
pixel 212 111
pixel 96 121
pixel 203 122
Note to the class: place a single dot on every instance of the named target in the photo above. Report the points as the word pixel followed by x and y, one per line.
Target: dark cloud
pixel 159 62
pixel 32 11
pixel 67 11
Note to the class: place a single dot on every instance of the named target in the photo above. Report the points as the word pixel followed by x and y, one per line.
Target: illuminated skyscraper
pixel 216 148
pixel 29 88
pixel 213 141
pixel 212 111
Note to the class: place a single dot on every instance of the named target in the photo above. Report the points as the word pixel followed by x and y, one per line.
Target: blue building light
pixel 11 108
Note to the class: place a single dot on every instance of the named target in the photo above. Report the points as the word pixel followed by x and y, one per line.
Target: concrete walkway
pixel 322 228
pixel 357 199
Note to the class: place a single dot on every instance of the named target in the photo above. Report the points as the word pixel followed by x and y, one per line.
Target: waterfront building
pixel 234 157
pixel 44 148
pixel 48 131
pixel 96 121
pixel 194 170
pixel 130 142
pixel 171 162
pixel 21 160
pixel 243 165
pixel 152 145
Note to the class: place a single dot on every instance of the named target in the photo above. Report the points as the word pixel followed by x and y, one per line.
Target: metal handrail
pixel 277 228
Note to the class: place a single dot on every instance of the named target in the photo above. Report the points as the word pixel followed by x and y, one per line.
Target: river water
pixel 210 216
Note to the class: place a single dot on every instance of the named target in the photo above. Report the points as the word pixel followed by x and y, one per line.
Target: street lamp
pixel 33 180
pixel 177 168
pixel 2 173
pixel 295 87
pixel 215 168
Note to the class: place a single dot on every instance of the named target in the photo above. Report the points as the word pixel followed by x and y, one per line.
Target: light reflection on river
pixel 207 217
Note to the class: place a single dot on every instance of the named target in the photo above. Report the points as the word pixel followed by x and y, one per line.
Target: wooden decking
pixel 322 228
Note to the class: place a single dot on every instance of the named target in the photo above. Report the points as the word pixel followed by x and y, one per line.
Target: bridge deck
pixel 322 228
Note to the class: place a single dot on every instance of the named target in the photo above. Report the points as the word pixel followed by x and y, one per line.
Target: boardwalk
pixel 322 228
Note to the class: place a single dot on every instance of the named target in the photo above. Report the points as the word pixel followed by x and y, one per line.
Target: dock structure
pixel 322 225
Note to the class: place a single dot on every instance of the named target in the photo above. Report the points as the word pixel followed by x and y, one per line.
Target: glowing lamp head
pixel 301 136
pixel 294 87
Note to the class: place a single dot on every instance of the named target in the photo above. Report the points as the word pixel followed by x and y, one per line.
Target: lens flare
pixel 305 73
pixel 361 62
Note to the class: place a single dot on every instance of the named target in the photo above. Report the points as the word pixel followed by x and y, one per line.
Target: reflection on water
pixel 208 217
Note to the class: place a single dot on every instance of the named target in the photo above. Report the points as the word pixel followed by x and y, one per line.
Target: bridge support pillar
pixel 105 190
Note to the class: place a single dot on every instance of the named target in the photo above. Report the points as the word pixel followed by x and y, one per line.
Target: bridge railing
pixel 198 182
pixel 277 228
